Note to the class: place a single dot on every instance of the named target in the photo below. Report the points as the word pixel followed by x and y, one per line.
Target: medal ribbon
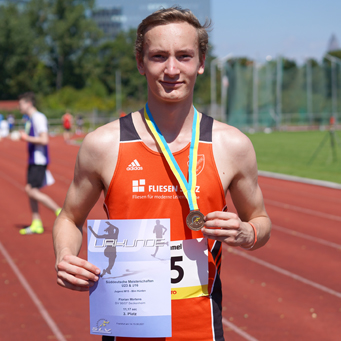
pixel 188 188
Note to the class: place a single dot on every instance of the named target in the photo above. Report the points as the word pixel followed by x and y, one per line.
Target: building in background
pixel 20 3
pixel 109 20
pixel 112 16
pixel 3 2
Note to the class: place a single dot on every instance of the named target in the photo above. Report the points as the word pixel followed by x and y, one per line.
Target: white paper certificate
pixel 133 295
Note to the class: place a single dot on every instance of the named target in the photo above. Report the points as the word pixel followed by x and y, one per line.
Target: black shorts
pixel 36 175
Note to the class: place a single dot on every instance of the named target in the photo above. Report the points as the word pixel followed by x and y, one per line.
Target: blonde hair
pixel 170 15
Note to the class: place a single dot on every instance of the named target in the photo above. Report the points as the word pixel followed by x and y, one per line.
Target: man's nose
pixel 171 68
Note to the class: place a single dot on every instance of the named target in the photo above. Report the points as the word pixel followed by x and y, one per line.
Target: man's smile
pixel 171 83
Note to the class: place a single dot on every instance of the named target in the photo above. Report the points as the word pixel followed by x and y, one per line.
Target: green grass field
pixel 292 153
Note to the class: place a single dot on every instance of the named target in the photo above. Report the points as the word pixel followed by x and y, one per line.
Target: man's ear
pixel 140 65
pixel 202 65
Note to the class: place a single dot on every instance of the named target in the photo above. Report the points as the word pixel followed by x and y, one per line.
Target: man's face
pixel 171 62
pixel 24 106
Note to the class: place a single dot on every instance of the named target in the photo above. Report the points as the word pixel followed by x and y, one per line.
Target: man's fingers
pixel 76 271
pixel 221 215
pixel 219 233
pixel 75 278
pixel 76 274
pixel 74 284
pixel 78 263
pixel 222 220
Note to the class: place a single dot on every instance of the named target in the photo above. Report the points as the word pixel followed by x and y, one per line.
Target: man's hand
pixel 76 274
pixel 23 136
pixel 228 228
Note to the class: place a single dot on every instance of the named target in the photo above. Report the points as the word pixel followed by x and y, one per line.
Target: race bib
pixel 189 268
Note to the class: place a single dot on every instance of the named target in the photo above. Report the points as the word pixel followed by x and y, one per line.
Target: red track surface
pixel 288 290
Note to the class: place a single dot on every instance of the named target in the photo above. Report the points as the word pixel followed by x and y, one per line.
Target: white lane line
pixel 11 181
pixel 240 332
pixel 33 296
pixel 306 236
pixel 283 272
pixel 302 210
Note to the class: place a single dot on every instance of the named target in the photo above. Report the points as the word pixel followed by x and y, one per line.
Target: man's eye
pixel 185 57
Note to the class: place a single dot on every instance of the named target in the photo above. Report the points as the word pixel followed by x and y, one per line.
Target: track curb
pixel 280 176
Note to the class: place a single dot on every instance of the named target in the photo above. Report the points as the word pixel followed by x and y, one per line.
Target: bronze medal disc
pixel 195 220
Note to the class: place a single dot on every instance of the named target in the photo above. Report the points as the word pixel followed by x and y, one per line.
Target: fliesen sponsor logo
pixel 139 185
pixel 135 165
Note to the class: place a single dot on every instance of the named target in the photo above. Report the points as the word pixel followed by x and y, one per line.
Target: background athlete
pixel 37 138
pixel 170 52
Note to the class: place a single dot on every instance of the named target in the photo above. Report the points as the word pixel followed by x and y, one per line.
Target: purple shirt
pixel 37 153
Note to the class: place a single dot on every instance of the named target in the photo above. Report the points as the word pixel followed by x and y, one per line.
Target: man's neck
pixel 31 111
pixel 173 119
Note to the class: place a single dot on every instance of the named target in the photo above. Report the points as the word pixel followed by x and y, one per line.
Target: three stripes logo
pixel 134 166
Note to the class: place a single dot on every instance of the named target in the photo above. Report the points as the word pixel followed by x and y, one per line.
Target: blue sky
pixel 292 28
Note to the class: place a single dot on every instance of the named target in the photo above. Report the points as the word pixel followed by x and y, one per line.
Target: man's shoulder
pixel 99 150
pixel 38 115
pixel 227 133
pixel 103 138
pixel 39 120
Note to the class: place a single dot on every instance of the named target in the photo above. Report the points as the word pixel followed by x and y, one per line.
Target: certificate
pixel 132 297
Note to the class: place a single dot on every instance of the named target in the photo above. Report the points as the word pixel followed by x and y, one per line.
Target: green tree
pixel 202 93
pixel 336 53
pixel 17 58
pixel 118 55
pixel 69 32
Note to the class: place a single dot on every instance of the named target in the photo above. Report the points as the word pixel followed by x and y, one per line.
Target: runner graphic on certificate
pixel 133 295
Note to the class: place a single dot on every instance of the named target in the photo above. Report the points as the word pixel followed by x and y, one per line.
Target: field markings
pixel 12 181
pixel 237 330
pixel 282 271
pixel 306 236
pixel 43 312
pixel 15 183
pixel 303 210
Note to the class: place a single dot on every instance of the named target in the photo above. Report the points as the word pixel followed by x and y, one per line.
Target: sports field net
pixel 279 93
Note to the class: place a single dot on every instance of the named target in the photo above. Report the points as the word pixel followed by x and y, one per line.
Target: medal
pixel 195 219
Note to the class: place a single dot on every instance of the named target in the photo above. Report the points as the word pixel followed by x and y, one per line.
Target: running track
pixel 288 290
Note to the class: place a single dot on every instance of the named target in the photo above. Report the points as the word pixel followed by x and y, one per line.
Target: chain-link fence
pixel 280 93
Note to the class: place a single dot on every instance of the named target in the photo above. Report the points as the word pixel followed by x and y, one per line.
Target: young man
pixel 170 52
pixel 67 121
pixel 36 136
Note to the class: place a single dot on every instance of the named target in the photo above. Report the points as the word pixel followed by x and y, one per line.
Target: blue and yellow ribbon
pixel 188 188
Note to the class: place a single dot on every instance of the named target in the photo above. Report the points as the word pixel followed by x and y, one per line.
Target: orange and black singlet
pixel 144 187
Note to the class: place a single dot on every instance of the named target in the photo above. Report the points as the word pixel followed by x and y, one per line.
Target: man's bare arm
pixel 73 272
pixel 240 168
pixel 42 139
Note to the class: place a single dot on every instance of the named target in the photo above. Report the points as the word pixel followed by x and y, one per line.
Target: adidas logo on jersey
pixel 134 166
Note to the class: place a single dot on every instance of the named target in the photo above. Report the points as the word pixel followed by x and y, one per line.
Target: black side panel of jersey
pixel 206 125
pixel 216 296
pixel 127 129
pixel 129 133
